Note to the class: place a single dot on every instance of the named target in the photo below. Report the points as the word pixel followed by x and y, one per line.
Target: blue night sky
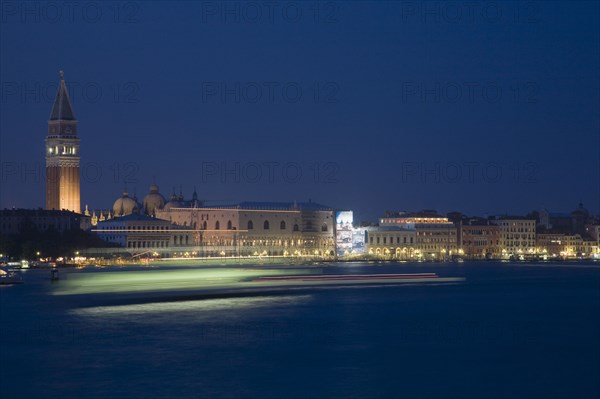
pixel 481 107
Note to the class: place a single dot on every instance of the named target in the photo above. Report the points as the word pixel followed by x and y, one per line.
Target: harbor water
pixel 520 330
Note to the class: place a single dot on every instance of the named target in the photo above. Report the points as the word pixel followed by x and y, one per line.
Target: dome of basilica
pixel 174 202
pixel 153 201
pixel 125 205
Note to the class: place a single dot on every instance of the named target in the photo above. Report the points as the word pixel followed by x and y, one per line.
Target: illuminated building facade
pixel 256 228
pixel 434 236
pixel 517 236
pixel 480 240
pixel 238 229
pixel 392 242
pixel 559 245
pixel 62 154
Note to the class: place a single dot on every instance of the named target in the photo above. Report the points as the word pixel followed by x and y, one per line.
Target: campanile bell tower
pixel 62 154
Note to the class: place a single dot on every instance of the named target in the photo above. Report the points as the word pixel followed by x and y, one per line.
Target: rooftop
pixel 278 206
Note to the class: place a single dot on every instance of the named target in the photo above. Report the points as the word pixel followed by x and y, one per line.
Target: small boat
pixel 8 277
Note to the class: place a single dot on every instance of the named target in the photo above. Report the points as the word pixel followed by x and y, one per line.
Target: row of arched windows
pixel 267 225
pixel 218 225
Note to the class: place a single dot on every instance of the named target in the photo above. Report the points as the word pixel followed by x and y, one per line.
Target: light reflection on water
pixel 198 308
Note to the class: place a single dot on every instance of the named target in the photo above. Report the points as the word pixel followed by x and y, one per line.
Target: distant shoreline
pixel 282 262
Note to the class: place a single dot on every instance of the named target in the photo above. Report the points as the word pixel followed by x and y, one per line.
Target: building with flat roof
pixel 479 239
pixel 392 242
pixel 517 236
pixel 434 236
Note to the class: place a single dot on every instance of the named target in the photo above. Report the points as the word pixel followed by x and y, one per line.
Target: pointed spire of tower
pixel 62 154
pixel 62 110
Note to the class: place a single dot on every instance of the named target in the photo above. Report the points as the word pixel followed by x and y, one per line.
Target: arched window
pixel 266 225
pixel 229 225
pixel 204 225
pixel 282 225
pixel 217 225
pixel 250 225
pixel 296 228
pixel 324 227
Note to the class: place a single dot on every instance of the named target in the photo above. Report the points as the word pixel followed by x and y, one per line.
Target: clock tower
pixel 62 154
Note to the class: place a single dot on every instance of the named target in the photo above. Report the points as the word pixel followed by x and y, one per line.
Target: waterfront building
pixel 435 236
pixel 255 228
pixel 552 245
pixel 62 154
pixel 143 233
pixel 236 229
pixel 517 236
pixel 392 242
pixel 590 249
pixel 16 221
pixel 555 245
pixel 480 239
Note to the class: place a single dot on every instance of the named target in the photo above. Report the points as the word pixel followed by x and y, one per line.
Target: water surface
pixel 507 331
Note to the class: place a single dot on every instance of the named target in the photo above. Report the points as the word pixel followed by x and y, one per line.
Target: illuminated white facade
pixel 517 236
pixel 433 237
